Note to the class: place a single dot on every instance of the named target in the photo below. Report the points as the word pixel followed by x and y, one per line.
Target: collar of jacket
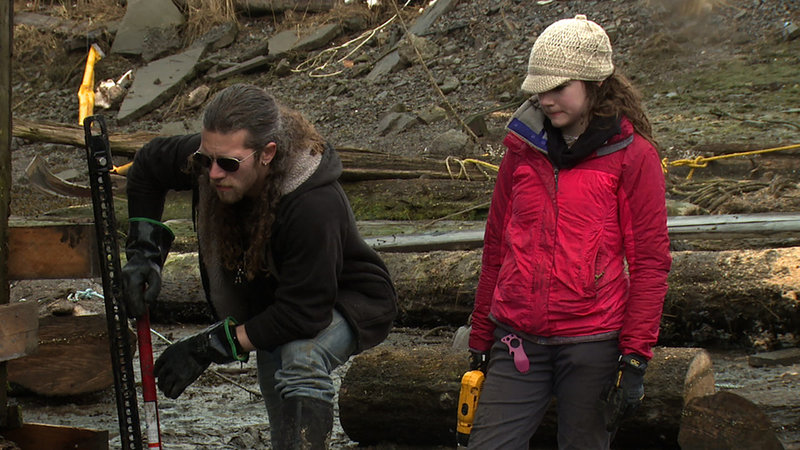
pixel 302 165
pixel 528 124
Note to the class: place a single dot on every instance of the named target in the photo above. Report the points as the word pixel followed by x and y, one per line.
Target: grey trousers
pixel 512 404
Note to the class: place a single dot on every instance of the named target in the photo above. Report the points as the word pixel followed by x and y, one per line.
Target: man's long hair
pixel 239 235
pixel 616 96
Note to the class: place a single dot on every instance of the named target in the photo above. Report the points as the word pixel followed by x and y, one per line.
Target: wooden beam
pixel 19 325
pixel 6 32
pixel 52 252
pixel 359 164
pixel 35 435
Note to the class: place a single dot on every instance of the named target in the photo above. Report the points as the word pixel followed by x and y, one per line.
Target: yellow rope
pixel 702 161
pixel 463 167
pixel 694 163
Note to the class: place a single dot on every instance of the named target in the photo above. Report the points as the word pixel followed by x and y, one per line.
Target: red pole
pixel 148 382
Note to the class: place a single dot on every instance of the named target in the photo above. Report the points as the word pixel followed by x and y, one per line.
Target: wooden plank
pixel 52 252
pixel 40 436
pixel 6 33
pixel 19 324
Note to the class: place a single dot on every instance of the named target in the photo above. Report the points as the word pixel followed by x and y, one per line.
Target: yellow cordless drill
pixel 471 384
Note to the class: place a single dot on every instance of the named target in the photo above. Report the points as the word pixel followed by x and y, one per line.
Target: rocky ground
pixel 716 76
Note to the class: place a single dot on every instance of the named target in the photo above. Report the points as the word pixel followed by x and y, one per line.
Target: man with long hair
pixel 283 265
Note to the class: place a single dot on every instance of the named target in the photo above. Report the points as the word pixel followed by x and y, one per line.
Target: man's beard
pixel 229 196
pixel 235 234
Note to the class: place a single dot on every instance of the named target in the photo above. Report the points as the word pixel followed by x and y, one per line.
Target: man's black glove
pixel 624 394
pixel 182 362
pixel 478 360
pixel 147 247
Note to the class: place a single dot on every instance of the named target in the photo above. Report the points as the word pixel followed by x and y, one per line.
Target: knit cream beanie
pixel 570 49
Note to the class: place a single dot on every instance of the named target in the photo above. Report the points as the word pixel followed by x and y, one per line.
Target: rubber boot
pixel 306 424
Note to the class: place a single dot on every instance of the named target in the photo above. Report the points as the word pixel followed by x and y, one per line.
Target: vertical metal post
pixel 6 31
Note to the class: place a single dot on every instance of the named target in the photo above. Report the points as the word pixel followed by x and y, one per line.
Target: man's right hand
pixel 147 247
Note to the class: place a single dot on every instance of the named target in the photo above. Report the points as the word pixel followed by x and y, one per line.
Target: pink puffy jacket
pixel 577 252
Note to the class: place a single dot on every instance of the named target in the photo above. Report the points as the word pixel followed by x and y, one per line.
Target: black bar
pixel 98 153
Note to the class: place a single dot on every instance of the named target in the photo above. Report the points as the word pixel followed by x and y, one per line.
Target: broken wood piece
pixel 726 420
pixel 72 359
pixel 41 178
pixel 19 325
pixel 409 396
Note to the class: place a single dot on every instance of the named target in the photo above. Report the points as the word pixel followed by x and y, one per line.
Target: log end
pixel 726 420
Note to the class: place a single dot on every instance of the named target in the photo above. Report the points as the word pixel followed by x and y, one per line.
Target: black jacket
pixel 318 259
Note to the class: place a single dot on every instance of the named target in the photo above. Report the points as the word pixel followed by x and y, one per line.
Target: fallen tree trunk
pixel 359 164
pixel 72 357
pixel 409 396
pixel 727 297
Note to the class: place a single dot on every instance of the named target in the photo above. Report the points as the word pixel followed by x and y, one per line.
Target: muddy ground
pixel 717 76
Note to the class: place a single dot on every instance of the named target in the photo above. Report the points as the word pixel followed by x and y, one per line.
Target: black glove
pixel 624 394
pixel 147 247
pixel 478 360
pixel 182 362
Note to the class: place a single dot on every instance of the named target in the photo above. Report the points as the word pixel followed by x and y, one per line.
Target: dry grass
pixel 203 15
pixel 34 46
pixel 97 11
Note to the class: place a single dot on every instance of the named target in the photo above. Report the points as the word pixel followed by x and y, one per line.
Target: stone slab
pixel 392 61
pixel 157 82
pixel 784 357
pixel 317 38
pixel 141 17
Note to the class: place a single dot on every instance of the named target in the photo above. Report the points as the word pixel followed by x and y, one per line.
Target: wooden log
pixel 409 396
pixel 19 325
pixel 66 134
pixel 73 357
pixel 726 420
pixel 359 164
pixel 714 297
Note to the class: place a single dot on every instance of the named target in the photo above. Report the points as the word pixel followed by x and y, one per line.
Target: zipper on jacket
pixel 555 175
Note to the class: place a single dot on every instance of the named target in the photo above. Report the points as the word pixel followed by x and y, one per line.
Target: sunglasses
pixel 226 163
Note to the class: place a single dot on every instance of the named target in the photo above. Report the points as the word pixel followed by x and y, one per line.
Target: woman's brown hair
pixel 616 96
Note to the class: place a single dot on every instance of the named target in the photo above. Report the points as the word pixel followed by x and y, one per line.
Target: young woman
pixel 576 252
